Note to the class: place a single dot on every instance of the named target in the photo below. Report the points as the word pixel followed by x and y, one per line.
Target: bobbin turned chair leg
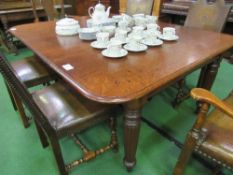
pixel 90 154
pixel 114 142
pixel 182 94
pixel 217 170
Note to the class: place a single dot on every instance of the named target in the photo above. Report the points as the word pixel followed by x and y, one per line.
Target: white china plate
pixel 96 45
pixel 122 53
pixel 165 38
pixel 156 42
pixel 141 48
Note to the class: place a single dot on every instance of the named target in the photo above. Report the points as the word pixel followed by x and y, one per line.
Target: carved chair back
pixel 49 8
pixel 209 16
pixel 22 92
pixel 140 6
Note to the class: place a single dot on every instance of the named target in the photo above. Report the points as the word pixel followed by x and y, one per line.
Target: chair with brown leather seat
pixel 208 16
pixel 58 112
pixel 211 135
pixel 147 7
pixel 31 70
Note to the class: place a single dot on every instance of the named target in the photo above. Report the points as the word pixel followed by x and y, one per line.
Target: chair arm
pixel 206 96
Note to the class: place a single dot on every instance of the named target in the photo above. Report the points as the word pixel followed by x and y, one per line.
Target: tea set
pixel 119 34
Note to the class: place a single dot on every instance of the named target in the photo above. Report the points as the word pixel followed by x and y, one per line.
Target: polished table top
pixel 120 80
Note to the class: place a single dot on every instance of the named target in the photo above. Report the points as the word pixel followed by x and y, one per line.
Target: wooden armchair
pixel 206 16
pixel 59 112
pixel 211 135
pixel 142 6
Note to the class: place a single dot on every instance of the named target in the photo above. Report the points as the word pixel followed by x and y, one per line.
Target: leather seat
pixel 65 110
pixel 219 142
pixel 31 71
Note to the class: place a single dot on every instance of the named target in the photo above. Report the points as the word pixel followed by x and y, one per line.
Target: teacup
pixel 152 26
pixel 117 17
pixel 140 21
pixel 169 32
pixel 123 25
pixel 114 47
pixel 128 19
pixel 109 29
pixel 134 42
pixel 151 33
pixel 151 19
pixel 138 30
pixel 121 35
pixel 102 38
pixel 151 39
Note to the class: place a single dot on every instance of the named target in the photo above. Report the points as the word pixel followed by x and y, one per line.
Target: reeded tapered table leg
pixel 207 76
pixel 131 132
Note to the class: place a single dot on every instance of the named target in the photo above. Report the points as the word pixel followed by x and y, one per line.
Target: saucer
pixel 120 54
pixel 156 42
pixel 141 48
pixel 96 45
pixel 126 40
pixel 166 38
pixel 156 33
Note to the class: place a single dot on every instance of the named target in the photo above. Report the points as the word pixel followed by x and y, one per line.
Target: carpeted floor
pixel 22 154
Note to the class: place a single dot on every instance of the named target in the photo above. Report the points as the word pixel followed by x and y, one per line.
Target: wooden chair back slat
pixel 156 7
pixel 140 6
pixel 48 5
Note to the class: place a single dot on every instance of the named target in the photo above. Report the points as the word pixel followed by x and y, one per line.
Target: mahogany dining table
pixel 129 80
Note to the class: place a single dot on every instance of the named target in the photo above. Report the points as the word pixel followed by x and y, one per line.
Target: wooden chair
pixel 60 112
pixel 6 40
pixel 3 41
pixel 211 135
pixel 140 6
pixel 48 6
pixel 33 73
pixel 31 70
pixel 206 16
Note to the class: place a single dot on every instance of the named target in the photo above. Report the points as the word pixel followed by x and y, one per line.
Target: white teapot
pixel 98 13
